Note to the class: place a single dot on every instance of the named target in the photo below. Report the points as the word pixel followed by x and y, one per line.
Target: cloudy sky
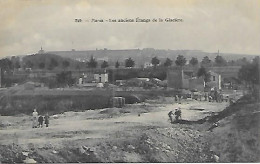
pixel 232 26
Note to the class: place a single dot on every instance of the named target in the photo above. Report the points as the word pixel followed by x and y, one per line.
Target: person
pixel 205 96
pixel 176 99
pixel 40 120
pixel 180 98
pixel 46 120
pixel 177 114
pixel 35 117
pixel 170 114
pixel 216 95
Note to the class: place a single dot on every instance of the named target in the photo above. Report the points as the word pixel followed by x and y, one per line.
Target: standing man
pixel 46 119
pixel 177 114
pixel 170 114
pixel 40 120
pixel 35 118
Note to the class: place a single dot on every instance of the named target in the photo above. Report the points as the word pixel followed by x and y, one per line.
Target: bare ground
pixel 135 133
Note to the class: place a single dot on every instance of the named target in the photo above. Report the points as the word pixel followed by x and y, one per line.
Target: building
pixel 41 51
pixel 227 71
pixel 98 76
pixel 179 79
pixel 147 64
pixel 215 80
pixel 196 83
pixel 101 77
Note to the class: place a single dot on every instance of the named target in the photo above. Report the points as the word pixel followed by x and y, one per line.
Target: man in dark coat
pixel 46 118
pixel 40 120
pixel 170 114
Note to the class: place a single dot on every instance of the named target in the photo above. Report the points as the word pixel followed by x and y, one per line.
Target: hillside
pixel 236 139
pixel 49 61
pixel 144 55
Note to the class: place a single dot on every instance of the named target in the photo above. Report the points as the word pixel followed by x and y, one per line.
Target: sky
pixel 230 26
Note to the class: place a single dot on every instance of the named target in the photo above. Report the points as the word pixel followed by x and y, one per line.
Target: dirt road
pixel 113 134
pixel 92 124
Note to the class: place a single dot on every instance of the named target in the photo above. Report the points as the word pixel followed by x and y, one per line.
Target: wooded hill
pixel 49 61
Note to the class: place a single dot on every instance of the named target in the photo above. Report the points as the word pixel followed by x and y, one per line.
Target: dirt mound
pixel 11 154
pixel 155 145
pixel 237 137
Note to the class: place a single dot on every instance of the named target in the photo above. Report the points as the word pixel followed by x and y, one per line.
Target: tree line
pixel 51 62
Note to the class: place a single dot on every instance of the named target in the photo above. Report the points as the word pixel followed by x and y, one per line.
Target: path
pixel 78 125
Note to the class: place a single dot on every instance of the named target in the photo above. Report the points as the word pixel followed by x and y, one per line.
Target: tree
pixel 168 62
pixel 41 65
pixel 117 64
pixel 129 62
pixel 206 62
pixel 65 79
pixel 220 61
pixel 194 61
pixel 249 73
pixel 78 67
pixel 17 65
pixel 92 63
pixel 53 64
pixel 15 62
pixel 202 72
pixel 5 64
pixel 65 64
pixel 155 61
pixel 104 64
pixel 180 61
pixel 242 61
pixel 29 64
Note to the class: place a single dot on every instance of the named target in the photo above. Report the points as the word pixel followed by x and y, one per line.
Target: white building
pixel 101 77
pixel 147 64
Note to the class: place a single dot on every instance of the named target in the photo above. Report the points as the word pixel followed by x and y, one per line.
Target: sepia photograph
pixel 129 81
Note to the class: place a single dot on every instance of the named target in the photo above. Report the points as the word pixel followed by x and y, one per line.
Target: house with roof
pixel 215 80
pixel 101 77
pixel 98 76
pixel 179 79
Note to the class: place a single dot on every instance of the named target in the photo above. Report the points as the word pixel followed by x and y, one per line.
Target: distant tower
pixel 41 51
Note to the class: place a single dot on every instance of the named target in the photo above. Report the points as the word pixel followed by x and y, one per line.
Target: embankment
pixel 56 101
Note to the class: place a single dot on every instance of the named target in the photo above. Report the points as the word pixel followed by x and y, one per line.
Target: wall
pixel 196 83
pixel 174 79
pixel 227 71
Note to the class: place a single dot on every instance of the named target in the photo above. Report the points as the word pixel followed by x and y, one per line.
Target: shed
pixel 118 102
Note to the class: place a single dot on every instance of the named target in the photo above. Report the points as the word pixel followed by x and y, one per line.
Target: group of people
pixel 215 95
pixel 177 115
pixel 39 119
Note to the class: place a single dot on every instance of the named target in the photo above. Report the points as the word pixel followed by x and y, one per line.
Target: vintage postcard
pixel 129 81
